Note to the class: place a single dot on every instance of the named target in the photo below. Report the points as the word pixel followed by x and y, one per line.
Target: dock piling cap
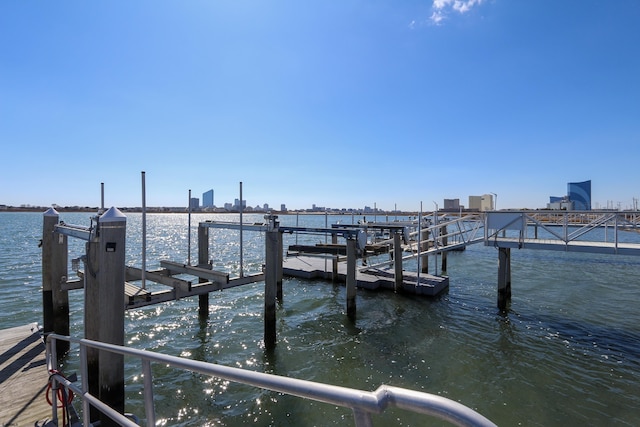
pixel 113 215
pixel 51 212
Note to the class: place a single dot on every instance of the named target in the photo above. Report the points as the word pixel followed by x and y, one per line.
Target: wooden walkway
pixel 23 377
pixel 308 267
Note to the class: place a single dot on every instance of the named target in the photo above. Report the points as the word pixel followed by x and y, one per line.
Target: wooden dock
pixel 23 377
pixel 309 267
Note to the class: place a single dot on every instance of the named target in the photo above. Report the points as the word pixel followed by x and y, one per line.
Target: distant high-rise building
pixel 207 199
pixel 481 203
pixel 487 202
pixel 475 203
pixel 283 207
pixel 194 203
pixel 451 204
pixel 236 204
pixel 580 194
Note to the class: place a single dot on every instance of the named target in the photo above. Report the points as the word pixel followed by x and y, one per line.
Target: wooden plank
pixel 23 377
pixel 203 273
pixel 196 289
pixel 159 276
pixel 133 293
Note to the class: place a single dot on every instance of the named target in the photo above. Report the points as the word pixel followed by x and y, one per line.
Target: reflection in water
pixel 567 352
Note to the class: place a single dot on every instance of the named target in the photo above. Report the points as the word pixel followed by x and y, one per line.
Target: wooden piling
pixel 334 259
pixel 203 262
pixel 273 243
pixel 49 221
pixel 92 319
pixel 504 277
pixel 351 278
pixel 279 272
pixel 54 274
pixel 424 246
pixel 111 277
pixel 443 233
pixel 397 262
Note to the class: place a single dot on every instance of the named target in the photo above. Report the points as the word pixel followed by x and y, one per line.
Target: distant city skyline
pixel 342 104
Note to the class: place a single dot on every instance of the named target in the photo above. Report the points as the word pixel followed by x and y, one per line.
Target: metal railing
pixel 563 229
pixel 362 403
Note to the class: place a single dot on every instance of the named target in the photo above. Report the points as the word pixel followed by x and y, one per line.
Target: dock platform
pixel 23 377
pixel 308 267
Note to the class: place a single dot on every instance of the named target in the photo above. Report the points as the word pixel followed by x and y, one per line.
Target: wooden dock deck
pixel 309 267
pixel 23 377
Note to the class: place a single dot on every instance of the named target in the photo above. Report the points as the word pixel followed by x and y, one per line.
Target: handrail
pixel 362 403
pixel 569 226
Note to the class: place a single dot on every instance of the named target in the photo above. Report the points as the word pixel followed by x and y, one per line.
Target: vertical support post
pixel 55 301
pixel 189 230
pixel 92 308
pixel 445 241
pixel 334 264
pixel 203 262
pixel 111 277
pixel 49 221
pixel 504 277
pixel 397 262
pixel 143 269
pixel 241 238
pixel 424 247
pixel 351 278
pixel 60 298
pixel 272 256
pixel 280 273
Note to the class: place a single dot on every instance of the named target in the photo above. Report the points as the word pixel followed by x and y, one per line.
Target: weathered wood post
pixel 334 258
pixel 280 272
pixel 504 277
pixel 424 258
pixel 445 241
pixel 92 318
pixel 351 278
pixel 55 301
pixel 110 277
pixel 273 242
pixel 397 262
pixel 203 262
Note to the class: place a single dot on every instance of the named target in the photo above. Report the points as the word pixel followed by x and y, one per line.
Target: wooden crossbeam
pixel 203 273
pixel 159 276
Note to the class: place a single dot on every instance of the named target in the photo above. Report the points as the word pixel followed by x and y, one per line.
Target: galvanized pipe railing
pixel 362 403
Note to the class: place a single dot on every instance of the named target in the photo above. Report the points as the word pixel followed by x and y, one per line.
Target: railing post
pixel 148 393
pixel 203 262
pixel 362 418
pixel 111 277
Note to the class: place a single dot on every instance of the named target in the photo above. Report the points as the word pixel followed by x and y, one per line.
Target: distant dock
pixel 308 267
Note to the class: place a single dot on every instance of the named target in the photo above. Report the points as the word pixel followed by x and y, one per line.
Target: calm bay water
pixel 566 353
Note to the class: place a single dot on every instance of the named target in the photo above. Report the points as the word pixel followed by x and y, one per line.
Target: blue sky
pixel 338 103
